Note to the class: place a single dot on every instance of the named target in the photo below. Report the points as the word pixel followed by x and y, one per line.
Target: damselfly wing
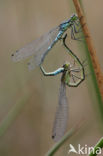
pixel 61 117
pixel 38 48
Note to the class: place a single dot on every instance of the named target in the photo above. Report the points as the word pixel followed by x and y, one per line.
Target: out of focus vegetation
pixel 29 129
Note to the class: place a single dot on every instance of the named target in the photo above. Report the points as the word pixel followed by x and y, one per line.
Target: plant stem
pixel 60 143
pixel 11 116
pixel 69 134
pixel 91 49
pixel 97 147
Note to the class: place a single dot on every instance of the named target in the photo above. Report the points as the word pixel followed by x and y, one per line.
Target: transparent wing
pixel 37 47
pixel 38 58
pixel 61 117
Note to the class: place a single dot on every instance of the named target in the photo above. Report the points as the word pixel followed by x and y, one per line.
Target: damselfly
pixel 71 79
pixel 40 47
pixel 71 76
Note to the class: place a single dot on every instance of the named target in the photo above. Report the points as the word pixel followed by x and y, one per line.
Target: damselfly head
pixel 66 66
pixel 74 17
pixel 66 24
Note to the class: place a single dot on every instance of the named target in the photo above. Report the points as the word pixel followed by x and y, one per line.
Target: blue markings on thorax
pixel 64 26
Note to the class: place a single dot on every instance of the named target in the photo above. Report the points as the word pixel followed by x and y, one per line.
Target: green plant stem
pixel 11 116
pixel 96 73
pixel 98 145
pixel 90 46
pixel 69 134
pixel 60 143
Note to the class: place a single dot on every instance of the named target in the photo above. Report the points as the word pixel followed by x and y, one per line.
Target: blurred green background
pixel 28 100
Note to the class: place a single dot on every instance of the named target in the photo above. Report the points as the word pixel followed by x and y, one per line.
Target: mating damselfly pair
pixel 71 75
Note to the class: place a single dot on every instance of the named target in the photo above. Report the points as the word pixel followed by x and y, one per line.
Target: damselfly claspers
pixel 39 48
